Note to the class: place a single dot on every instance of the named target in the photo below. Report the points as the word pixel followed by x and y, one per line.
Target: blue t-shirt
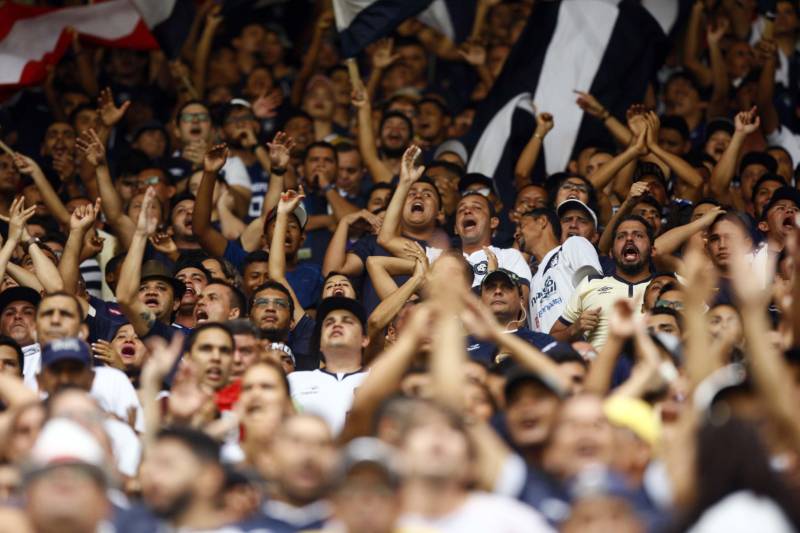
pixel 259 183
pixel 485 352
pixel 305 279
pixel 105 320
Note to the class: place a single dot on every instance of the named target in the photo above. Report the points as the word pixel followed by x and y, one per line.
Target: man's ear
pixel 365 340
pixel 494 222
pixel 441 218
pixel 234 313
pixel 573 166
pixel 653 251
pixel 763 226
pixel 83 332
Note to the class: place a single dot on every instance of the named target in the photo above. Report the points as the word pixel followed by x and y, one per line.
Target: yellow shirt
pixel 602 292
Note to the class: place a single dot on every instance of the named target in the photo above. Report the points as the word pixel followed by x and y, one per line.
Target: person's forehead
pixel 270 293
pixel 195 108
pixel 423 186
pixel 190 271
pixel 785 203
pixel 21 304
pixel 723 310
pixel 7 352
pixel 321 151
pixel 184 204
pixel 257 265
pixel 770 185
pixel 125 329
pixel 349 155
pixel 298 121
pixel 215 288
pixel 661 318
pixel 57 302
pixel 632 225
pixel 214 336
pixel 474 200
pixel 340 314
pixel 59 127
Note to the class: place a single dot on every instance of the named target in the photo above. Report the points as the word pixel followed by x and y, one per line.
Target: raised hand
pixel 84 216
pixel 638 190
pixel 266 104
pixel 747 121
pixel 18 217
pixel 639 145
pixel 358 97
pixel 588 320
pixel 382 57
pixel 697 272
pixel 162 242
pixel 373 220
pixel 473 53
pixel 715 35
pixel 162 357
pixel 653 125
pixel 544 122
pixel 25 164
pixel 491 258
pixel 635 116
pixel 408 172
pixel 621 323
pixel 215 158
pixel 92 245
pixel 147 224
pixel 195 151
pixel 589 104
pixel 414 250
pixel 93 149
pixel 290 200
pixel 108 111
pixel 280 150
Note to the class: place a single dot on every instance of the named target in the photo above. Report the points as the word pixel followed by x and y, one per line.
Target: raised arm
pixel 321 27
pixel 137 313
pixel 18 217
pixel 683 170
pixel 81 222
pixel 366 137
pixel 592 107
pixel 278 158
pixel 636 191
pixel 389 236
pixel 28 166
pixel 212 241
pixel 673 239
pixel 608 172
pixel 95 154
pixel 277 254
pixel 382 57
pixel 381 269
pixel 213 20
pixel 746 122
pixel 530 154
pixel 337 259
pixel 718 103
pixel 766 50
pixel 621 327
pixel 691 52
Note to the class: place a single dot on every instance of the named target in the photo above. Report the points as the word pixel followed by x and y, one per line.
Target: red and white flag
pixel 33 37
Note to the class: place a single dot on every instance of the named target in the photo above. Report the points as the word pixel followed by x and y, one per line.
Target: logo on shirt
pixel 481 268
pixel 605 289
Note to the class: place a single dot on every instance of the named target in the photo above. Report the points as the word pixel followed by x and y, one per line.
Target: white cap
pixel 62 442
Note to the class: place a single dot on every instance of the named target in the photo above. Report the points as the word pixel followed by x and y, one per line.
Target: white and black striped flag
pixel 361 22
pixel 610 48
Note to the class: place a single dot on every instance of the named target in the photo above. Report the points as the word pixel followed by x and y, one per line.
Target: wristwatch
pixel 279 171
pixel 33 240
pixel 328 187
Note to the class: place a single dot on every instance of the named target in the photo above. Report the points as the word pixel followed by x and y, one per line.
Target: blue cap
pixel 70 348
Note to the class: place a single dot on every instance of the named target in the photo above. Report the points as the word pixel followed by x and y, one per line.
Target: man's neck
pixel 183 244
pixel 342 360
pixel 639 277
pixel 542 247
pixel 200 516
pixel 775 243
pixel 185 319
pixel 322 128
pixel 694 118
pixel 421 234
pixel 433 499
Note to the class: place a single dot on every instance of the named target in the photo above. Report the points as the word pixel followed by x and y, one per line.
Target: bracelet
pixel 279 171
pixel 537 136
pixel 605 115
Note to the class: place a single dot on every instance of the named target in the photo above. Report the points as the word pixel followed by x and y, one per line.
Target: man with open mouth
pixel 585 315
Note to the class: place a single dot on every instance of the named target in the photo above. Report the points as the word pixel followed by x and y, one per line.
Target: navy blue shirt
pixel 301 340
pixel 485 352
pixel 105 321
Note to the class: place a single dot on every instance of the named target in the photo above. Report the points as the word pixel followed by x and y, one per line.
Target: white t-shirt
pixel 507 258
pixel 560 271
pixel 32 363
pixel 787 139
pixel 113 391
pixel 126 446
pixel 325 394
pixel 235 172
pixel 482 512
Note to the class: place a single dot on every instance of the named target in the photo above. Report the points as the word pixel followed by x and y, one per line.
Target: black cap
pixel 758 158
pixel 474 178
pixel 154 269
pixel 511 277
pixel 334 303
pixel 518 376
pixel 15 294
pixel 784 193
pixel 149 125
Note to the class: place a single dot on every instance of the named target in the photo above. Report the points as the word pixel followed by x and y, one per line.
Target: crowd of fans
pixel 247 290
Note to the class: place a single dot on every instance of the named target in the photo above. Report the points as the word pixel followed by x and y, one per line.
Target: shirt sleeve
pixel 236 173
pixel 572 311
pixel 582 258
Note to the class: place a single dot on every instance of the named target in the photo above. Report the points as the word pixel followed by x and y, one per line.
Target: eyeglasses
pixel 194 117
pixel 577 187
pixel 150 180
pixel 671 304
pixel 280 303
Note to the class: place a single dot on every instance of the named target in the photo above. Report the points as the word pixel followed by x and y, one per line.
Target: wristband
pixel 329 187
pixel 279 171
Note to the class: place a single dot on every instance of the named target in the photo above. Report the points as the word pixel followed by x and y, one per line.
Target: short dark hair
pixel 187 104
pixel 638 219
pixel 346 146
pixel 238 300
pixel 649 200
pixel 664 310
pixel 256 256
pixel 319 144
pixel 467 194
pixel 448 166
pixel 275 286
pixel 242 326
pixel 202 446
pixel 5 340
pixel 765 178
pixel 550 215
pixel 192 339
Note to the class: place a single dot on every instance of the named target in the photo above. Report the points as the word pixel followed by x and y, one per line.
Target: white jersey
pixel 32 364
pixel 554 282
pixel 113 391
pixel 507 258
pixel 325 394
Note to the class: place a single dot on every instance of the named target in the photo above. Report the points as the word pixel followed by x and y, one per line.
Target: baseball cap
pixel 518 376
pixel 453 146
pixel 574 203
pixel 154 269
pixel 369 451
pixel 511 277
pixel 67 349
pixel 784 193
pixel 299 212
pixel 475 178
pixel 65 442
pixel 15 294
pixel 335 303
pixel 633 414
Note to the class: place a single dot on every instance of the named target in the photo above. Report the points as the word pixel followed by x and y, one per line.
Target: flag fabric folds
pixel 32 37
pixel 361 22
pixel 608 48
